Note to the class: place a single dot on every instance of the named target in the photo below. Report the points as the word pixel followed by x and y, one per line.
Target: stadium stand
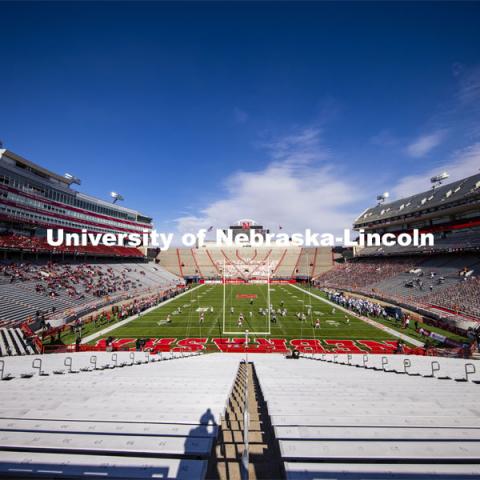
pixel 246 263
pixel 448 281
pixel 332 416
pixel 33 199
pixel 22 243
pixel 374 422
pixel 287 266
pixel 169 260
pixel 442 278
pixel 207 267
pixel 111 414
pixel 32 289
pixel 42 282
pixel 13 342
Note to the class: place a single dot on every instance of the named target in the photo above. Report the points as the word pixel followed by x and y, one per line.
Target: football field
pixel 215 311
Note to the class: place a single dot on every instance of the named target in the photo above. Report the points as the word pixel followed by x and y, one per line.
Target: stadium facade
pixel 439 282
pixel 451 212
pixel 33 199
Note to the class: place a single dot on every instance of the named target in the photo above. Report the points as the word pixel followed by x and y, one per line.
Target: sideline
pixel 371 322
pixel 95 335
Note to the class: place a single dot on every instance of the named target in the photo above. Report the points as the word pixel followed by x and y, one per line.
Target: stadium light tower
pixel 72 179
pixel 437 180
pixel 116 196
pixel 381 198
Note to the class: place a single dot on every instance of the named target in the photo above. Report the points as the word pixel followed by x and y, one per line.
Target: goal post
pixel 232 282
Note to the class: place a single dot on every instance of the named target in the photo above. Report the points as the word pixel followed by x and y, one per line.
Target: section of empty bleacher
pixel 169 260
pixel 287 266
pixel 391 418
pixel 122 415
pixel 248 262
pixel 32 289
pixel 13 342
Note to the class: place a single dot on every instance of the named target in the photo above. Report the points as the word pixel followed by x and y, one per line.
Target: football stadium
pixel 252 358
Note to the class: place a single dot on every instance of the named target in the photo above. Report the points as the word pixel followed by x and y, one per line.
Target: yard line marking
pixel 133 317
pixel 369 321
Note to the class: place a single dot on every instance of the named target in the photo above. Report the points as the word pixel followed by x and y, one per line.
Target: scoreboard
pixel 245 226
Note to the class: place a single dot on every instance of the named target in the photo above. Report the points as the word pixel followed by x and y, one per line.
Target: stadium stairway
pixel 264 455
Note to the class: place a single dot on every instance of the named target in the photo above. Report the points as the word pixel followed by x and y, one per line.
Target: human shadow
pixel 198 446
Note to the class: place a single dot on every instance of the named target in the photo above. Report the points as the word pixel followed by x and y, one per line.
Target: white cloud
pixel 425 143
pixel 298 189
pixel 463 163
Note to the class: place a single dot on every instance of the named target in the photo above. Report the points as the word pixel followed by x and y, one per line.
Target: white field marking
pixel 202 309
pixel 333 323
pixel 279 319
pixel 369 321
pixel 95 335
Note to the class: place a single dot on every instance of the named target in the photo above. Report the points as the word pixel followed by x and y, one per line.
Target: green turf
pixel 410 331
pixel 187 324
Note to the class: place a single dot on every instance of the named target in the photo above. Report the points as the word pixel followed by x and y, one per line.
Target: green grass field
pixel 185 323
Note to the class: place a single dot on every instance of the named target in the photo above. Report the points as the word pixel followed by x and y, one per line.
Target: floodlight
pixel 116 196
pixel 72 179
pixel 439 178
pixel 381 198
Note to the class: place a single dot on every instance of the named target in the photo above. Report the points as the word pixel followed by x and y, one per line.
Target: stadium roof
pixel 23 162
pixel 35 171
pixel 439 197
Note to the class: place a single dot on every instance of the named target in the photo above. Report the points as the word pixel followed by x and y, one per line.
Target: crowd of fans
pixel 17 272
pixel 461 297
pixel 364 272
pixel 52 279
pixel 32 244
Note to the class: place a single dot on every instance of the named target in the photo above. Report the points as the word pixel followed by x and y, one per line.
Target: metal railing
pixel 246 418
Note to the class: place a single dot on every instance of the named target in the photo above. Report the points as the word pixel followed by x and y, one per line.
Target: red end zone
pixel 246 295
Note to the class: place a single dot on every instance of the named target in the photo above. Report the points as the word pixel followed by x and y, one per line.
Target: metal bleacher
pixel 13 342
pixel 121 415
pixel 136 415
pixel 374 419
pixel 19 300
pixel 444 266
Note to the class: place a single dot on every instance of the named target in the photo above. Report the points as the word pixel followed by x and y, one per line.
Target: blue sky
pixel 294 114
